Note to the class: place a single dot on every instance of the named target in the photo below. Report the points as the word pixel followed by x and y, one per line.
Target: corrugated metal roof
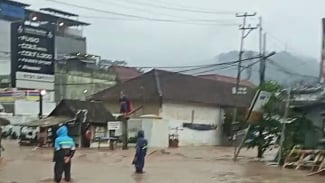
pixel 47 122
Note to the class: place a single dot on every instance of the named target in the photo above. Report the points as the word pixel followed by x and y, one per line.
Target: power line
pixel 117 13
pixel 176 21
pixel 230 66
pixel 221 64
pixel 185 20
pixel 182 9
pixel 210 70
pixel 134 8
pixel 144 9
pixel 285 70
pixel 185 6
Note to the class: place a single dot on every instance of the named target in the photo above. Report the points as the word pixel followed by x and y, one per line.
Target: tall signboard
pixel 32 57
pixel 322 67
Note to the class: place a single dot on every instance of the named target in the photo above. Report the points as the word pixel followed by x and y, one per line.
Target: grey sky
pixel 295 22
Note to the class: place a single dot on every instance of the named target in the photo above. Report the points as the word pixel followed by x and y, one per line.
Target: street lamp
pixel 85 91
pixel 41 94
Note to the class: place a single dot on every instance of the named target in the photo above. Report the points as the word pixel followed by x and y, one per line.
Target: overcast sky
pixel 296 23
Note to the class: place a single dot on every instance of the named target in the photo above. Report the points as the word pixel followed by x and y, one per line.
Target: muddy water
pixel 186 165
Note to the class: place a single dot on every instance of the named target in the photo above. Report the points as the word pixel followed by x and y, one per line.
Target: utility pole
pixel 125 132
pixel 262 52
pixel 285 119
pixel 245 32
pixel 262 44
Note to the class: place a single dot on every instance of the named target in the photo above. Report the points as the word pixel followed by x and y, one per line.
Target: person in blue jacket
pixel 64 149
pixel 141 152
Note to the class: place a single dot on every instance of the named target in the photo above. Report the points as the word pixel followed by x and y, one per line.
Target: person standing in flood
pixel 141 152
pixel 64 149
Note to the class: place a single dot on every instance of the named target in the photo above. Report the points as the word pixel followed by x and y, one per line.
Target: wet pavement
pixel 183 165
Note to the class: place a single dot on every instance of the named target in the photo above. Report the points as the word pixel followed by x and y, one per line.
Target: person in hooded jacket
pixel 64 149
pixel 141 152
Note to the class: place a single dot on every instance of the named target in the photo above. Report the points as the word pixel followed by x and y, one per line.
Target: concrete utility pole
pixel 245 32
pixel 285 118
pixel 125 133
pixel 262 52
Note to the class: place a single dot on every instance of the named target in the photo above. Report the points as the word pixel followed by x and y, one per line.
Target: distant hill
pixel 284 67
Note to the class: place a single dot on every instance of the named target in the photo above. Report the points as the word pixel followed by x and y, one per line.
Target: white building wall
pixel 179 113
pixel 155 130
pixel 31 108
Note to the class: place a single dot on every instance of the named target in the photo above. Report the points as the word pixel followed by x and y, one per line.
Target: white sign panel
pixel 262 100
pixel 116 125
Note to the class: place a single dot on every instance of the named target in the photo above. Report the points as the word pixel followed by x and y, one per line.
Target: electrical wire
pixel 215 69
pixel 182 9
pixel 181 22
pixel 144 9
pixel 221 64
pixel 183 6
pixel 229 66
pixel 118 13
pixel 285 46
pixel 185 20
pixel 285 70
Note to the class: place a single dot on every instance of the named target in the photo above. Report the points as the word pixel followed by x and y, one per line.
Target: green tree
pixel 266 133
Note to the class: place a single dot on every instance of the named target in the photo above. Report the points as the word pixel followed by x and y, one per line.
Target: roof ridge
pixel 158 85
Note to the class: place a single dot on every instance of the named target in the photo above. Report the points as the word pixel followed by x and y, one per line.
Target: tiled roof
pixel 177 87
pixel 228 79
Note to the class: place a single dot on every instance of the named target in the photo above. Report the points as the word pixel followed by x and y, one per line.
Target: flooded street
pixel 183 165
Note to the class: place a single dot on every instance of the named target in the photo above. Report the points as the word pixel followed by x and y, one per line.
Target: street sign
pixel 115 125
pixel 241 90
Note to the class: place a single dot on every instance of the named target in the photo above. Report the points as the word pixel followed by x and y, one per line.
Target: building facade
pixel 68 32
pixel 193 107
pixel 78 77
pixel 68 39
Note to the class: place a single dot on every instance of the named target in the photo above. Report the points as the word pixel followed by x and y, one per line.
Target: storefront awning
pixel 47 122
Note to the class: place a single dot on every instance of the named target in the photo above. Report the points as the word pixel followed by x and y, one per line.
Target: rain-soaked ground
pixel 183 165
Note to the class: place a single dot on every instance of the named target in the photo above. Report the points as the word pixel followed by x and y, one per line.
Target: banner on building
pixel 32 57
pixel 11 95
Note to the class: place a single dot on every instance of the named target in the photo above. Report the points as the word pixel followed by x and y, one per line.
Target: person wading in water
pixel 141 152
pixel 64 149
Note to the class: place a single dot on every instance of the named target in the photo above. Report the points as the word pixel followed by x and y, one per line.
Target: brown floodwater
pixel 183 165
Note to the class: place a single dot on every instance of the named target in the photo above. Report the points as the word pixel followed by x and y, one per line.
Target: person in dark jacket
pixel 64 149
pixel 141 152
